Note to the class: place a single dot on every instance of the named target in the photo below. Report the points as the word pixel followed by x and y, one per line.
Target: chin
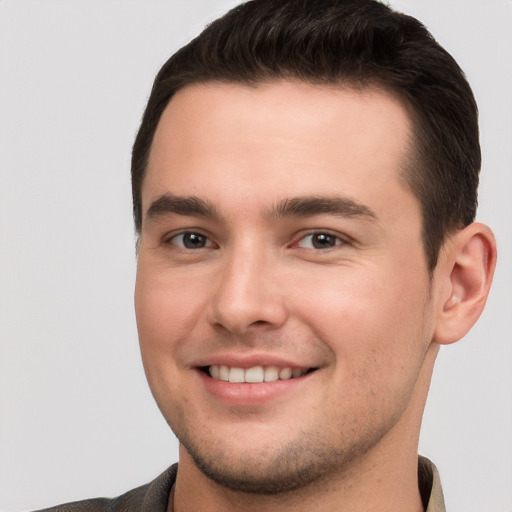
pixel 267 470
pixel 268 477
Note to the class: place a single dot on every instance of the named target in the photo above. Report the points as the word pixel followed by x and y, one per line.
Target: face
pixel 282 292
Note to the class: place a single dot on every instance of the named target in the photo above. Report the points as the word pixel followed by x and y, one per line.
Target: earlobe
pixel 466 268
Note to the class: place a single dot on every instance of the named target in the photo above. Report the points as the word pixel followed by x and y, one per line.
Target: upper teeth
pixel 254 374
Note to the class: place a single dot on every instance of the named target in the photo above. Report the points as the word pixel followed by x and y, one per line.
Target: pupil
pixel 193 240
pixel 323 241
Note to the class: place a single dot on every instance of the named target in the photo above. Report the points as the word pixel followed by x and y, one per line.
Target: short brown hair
pixel 354 43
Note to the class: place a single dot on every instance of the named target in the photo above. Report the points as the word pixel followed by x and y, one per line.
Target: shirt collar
pixel 428 481
pixel 430 486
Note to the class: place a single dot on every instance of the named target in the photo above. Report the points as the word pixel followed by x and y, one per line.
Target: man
pixel 304 190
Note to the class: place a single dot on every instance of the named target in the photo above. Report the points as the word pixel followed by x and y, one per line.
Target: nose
pixel 248 295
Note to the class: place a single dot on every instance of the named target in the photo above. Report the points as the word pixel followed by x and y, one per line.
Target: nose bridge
pixel 247 293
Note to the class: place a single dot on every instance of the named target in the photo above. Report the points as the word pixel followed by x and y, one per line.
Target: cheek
pixel 375 329
pixel 166 301
pixel 165 318
pixel 370 319
pixel 165 315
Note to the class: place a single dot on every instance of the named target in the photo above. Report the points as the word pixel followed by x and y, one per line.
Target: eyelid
pixel 168 239
pixel 343 239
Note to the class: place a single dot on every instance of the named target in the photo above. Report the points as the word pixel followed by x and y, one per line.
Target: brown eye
pixel 320 241
pixel 191 241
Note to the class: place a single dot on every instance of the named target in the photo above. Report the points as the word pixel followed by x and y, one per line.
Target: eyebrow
pixel 180 205
pixel 307 206
pixel 310 206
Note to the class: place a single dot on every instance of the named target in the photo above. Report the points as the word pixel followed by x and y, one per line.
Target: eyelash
pixel 191 234
pixel 338 240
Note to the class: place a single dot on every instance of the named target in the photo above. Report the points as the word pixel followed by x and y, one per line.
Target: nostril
pixel 259 323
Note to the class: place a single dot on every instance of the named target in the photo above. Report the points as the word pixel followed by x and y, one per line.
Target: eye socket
pixel 190 240
pixel 320 240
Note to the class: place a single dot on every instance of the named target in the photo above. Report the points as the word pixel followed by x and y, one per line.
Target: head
pixel 352 44
pixel 302 178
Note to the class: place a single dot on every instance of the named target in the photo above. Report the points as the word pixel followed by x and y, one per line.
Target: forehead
pixel 277 136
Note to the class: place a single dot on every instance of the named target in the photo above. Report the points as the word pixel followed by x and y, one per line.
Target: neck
pixel 365 487
pixel 384 479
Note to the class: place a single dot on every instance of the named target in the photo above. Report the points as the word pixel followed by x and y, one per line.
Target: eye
pixel 320 241
pixel 191 240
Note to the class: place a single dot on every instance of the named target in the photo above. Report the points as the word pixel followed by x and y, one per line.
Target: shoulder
pixel 149 497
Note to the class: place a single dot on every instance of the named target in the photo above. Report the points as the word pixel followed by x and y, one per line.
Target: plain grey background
pixel 77 418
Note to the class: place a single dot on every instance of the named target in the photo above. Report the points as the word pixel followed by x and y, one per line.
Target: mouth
pixel 254 374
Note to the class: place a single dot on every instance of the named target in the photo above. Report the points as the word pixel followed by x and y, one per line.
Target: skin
pixel 259 288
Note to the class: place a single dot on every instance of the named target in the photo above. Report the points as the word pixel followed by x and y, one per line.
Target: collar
pixel 430 486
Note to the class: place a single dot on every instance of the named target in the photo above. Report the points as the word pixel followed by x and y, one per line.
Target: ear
pixel 463 277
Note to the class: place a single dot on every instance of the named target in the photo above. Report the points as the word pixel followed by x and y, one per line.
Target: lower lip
pixel 249 394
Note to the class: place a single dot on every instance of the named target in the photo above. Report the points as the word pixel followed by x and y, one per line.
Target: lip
pixel 249 360
pixel 249 394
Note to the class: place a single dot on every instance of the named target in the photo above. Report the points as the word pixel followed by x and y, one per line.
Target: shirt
pixel 156 495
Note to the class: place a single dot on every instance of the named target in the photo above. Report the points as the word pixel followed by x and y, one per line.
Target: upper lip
pixel 249 360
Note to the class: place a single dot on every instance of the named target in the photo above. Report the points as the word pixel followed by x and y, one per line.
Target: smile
pixel 254 374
